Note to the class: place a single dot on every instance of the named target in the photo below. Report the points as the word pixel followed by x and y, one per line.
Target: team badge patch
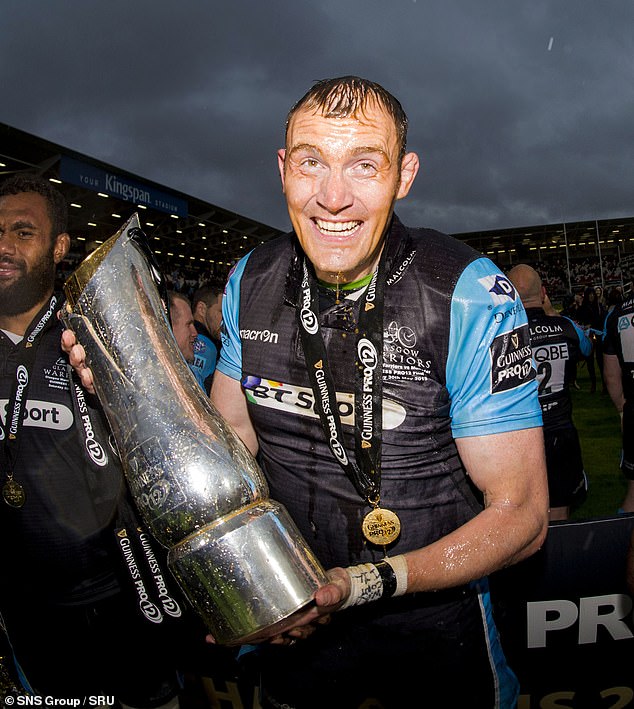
pixel 500 288
pixel 511 360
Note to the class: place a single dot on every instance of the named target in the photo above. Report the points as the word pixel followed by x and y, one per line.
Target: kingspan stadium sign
pixel 97 180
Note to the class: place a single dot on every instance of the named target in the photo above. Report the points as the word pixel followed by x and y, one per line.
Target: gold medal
pixel 381 526
pixel 13 493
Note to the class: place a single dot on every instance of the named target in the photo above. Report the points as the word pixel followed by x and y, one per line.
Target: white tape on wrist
pixel 399 564
pixel 369 583
pixel 365 585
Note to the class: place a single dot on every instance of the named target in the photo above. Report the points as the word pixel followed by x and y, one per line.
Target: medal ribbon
pixel 18 398
pixel 365 471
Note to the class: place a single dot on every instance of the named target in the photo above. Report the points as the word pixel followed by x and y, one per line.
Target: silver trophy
pixel 236 554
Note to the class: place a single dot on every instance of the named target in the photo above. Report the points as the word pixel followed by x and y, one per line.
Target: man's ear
pixel 409 169
pixel 281 159
pixel 61 247
pixel 200 311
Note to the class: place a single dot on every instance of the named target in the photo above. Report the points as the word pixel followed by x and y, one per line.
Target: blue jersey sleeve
pixel 230 362
pixel 585 345
pixel 491 376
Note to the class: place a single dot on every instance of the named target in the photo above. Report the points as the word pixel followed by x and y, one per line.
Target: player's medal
pixel 381 526
pixel 13 493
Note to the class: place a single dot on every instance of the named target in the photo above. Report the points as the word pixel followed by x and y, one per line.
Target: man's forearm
pixel 494 539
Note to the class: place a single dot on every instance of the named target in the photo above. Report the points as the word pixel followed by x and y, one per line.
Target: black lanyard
pixel 18 398
pixel 365 471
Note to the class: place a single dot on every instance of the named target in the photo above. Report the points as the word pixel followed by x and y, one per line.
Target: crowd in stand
pixel 583 272
pixel 188 281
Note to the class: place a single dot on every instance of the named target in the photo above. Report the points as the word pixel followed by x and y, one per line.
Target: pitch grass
pixel 599 431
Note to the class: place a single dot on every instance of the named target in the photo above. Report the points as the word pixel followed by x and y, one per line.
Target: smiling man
pixel 341 178
pixel 383 376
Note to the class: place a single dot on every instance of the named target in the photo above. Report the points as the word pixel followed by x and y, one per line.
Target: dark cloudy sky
pixel 522 111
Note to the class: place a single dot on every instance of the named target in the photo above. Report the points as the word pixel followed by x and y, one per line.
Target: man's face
pixel 213 318
pixel 183 328
pixel 28 252
pixel 341 177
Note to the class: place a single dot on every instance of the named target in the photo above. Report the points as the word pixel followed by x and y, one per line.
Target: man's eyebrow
pixel 361 150
pixel 308 147
pixel 23 224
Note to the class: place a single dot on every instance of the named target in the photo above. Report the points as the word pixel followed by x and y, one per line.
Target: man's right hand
pixel 303 623
pixel 77 358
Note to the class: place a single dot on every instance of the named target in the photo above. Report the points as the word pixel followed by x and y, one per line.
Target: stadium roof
pixel 184 231
pixel 188 232
pixel 534 243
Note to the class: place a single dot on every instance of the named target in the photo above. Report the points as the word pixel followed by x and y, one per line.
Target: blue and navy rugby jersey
pixel 456 362
pixel 205 356
pixel 557 344
pixel 619 341
pixel 60 545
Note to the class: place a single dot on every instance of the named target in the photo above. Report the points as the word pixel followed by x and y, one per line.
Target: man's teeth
pixel 339 228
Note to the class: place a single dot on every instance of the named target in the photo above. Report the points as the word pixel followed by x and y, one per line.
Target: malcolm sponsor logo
pixel 546 330
pixel 398 274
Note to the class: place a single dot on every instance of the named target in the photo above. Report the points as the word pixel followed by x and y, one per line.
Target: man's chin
pixel 17 298
pixel 338 273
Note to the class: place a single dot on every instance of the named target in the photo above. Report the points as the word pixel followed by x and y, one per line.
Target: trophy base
pixel 247 572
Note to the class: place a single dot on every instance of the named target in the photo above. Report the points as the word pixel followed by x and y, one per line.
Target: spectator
pixel 591 316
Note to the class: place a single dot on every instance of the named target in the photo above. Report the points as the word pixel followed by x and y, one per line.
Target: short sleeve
pixel 230 362
pixel 610 334
pixel 491 376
